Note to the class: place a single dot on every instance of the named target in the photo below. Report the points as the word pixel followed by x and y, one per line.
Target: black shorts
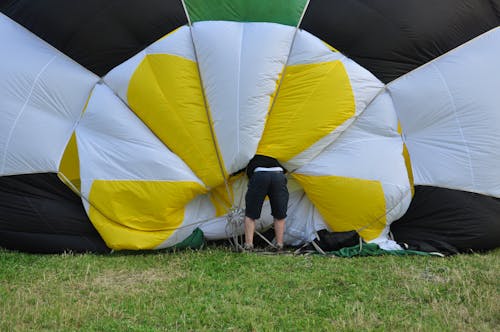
pixel 262 184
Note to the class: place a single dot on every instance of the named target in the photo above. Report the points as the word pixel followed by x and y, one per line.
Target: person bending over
pixel 266 177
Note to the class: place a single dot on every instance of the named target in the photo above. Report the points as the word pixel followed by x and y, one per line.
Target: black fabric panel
pixel 393 37
pixel 332 241
pixel 388 37
pixel 99 34
pixel 38 213
pixel 41 243
pixel 449 221
pixel 496 6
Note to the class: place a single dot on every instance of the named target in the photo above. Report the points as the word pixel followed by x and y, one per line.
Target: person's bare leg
pixel 249 230
pixel 279 230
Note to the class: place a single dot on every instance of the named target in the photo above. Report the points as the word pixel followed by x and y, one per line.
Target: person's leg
pixel 278 196
pixel 249 231
pixel 254 198
pixel 279 231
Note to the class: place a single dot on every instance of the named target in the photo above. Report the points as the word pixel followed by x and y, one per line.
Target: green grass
pixel 218 290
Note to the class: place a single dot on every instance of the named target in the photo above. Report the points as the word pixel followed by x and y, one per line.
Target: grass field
pixel 218 290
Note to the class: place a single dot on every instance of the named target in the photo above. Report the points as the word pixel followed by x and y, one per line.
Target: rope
pixel 264 238
pixel 235 219
pixel 318 248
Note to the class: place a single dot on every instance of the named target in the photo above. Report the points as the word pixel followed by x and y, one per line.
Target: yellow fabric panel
pixel 165 92
pixel 70 163
pixel 312 101
pixel 406 155
pixel 409 170
pixel 139 214
pixel 69 166
pixel 347 203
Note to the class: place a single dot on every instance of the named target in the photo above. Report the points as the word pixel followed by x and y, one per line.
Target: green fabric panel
pixel 194 241
pixel 286 12
pixel 372 249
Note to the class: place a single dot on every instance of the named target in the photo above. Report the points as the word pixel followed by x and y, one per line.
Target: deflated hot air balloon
pixel 129 131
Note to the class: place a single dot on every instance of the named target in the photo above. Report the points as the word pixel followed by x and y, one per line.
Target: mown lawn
pixel 218 290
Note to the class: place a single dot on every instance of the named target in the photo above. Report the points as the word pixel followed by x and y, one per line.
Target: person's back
pixel 262 161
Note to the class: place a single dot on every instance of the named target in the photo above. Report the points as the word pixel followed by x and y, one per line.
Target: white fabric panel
pixel 303 220
pixel 364 85
pixel 370 149
pixel 308 48
pixel 450 115
pixel 217 228
pixel 178 42
pixel 114 144
pixel 384 242
pixel 42 95
pixel 240 65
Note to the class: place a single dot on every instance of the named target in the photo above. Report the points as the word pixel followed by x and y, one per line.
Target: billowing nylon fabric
pixel 38 213
pixel 351 196
pixel 451 128
pixel 153 152
pixel 98 34
pixel 239 78
pixel 337 90
pixel 136 189
pixel 449 221
pixel 449 115
pixel 239 88
pixel 391 38
pixel 163 88
pixel 42 94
